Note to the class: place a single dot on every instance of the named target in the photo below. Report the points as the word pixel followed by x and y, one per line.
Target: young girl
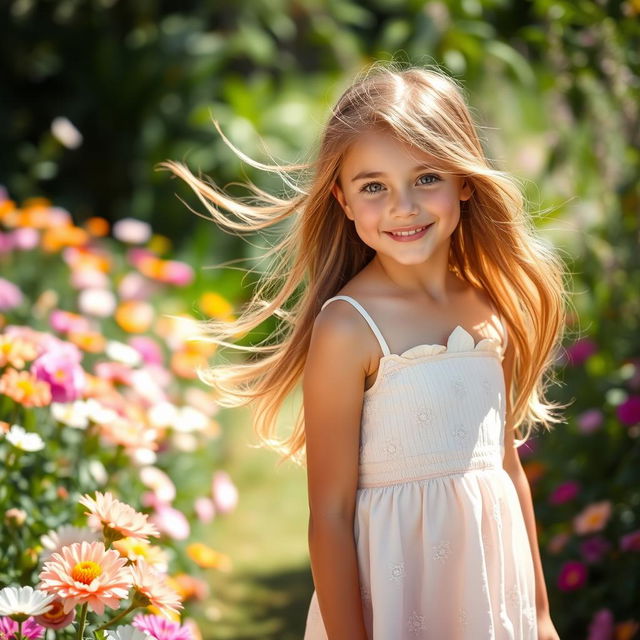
pixel 422 314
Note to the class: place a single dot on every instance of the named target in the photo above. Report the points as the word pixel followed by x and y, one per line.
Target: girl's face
pixel 388 186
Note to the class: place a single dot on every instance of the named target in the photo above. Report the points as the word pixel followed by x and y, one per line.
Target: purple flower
pixel 162 628
pixel 30 628
pixel 590 420
pixel 580 351
pixel 6 242
pixel 564 492
pixel 64 375
pixel 594 548
pixel 601 627
pixel 629 411
pixel 630 541
pixel 10 295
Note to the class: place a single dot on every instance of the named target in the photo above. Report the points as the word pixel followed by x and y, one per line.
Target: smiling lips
pixel 409 233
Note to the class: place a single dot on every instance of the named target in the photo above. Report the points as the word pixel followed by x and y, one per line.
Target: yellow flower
pixel 208 558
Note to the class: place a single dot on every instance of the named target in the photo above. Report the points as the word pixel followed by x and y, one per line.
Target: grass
pixel 267 593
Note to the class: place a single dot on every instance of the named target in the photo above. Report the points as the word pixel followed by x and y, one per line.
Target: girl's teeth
pixel 407 233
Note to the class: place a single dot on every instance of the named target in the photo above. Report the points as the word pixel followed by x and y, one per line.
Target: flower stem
pixel 20 630
pixel 119 617
pixel 82 621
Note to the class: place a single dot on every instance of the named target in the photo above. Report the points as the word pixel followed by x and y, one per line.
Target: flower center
pixel 55 613
pixel 85 572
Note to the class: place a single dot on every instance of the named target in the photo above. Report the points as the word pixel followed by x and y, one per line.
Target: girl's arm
pixel 513 467
pixel 333 386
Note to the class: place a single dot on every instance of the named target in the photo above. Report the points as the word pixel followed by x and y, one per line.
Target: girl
pixel 423 313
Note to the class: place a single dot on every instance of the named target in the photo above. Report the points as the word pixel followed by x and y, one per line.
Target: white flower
pixel 190 419
pixel 98 413
pixel 128 632
pixel 20 439
pixel 66 133
pixel 121 352
pixel 131 231
pixel 73 414
pixel 97 302
pixel 64 536
pixel 159 482
pixel 162 415
pixel 24 602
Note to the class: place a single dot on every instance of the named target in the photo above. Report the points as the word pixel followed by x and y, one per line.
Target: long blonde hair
pixel 495 247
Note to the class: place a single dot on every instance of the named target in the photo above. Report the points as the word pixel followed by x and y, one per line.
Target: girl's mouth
pixel 408 236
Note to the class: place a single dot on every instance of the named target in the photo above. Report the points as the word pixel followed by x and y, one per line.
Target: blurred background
pixel 95 93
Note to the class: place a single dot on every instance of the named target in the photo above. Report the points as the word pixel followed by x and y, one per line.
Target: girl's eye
pixel 376 187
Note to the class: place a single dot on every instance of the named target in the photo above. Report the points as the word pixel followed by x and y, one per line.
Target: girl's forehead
pixel 380 147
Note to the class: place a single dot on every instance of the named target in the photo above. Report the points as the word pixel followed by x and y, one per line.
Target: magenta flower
pixel 630 541
pixel 564 492
pixel 65 322
pixel 65 376
pixel 594 548
pixel 161 628
pixel 10 295
pixel 527 449
pixel 177 273
pixel 579 352
pixel 629 411
pixel 601 627
pixel 6 242
pixel 30 629
pixel 573 575
pixel 590 420
pixel 148 348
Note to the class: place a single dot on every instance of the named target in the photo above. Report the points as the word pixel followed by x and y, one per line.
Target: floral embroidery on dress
pixel 425 415
pixel 513 595
pixel 397 572
pixel 462 617
pixel 441 551
pixel 497 513
pixel 391 448
pixel 415 622
pixel 530 615
pixel 460 433
pixel 459 386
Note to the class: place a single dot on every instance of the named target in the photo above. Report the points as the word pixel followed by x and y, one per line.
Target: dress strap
pixel 383 344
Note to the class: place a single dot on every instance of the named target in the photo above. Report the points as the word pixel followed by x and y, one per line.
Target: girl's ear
pixel 339 196
pixel 466 190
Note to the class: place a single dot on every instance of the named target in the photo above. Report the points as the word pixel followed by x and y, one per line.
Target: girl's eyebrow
pixel 377 174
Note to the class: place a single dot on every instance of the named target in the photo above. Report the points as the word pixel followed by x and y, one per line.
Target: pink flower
pixel 629 411
pixel 30 629
pixel 573 575
pixel 152 586
pixel 204 508
pixel 601 627
pixel 106 513
pixel 558 542
pixel 177 273
pixel 594 548
pixel 161 628
pixel 593 518
pixel 564 492
pixel 171 522
pixel 64 322
pixel 56 618
pixel 131 231
pixel 65 376
pixel 86 572
pixel 590 420
pixel 148 348
pixel 10 295
pixel 579 352
pixel 225 494
pixel 25 238
pixel 630 541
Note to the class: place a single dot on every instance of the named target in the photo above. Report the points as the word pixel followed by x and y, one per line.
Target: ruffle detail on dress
pixel 459 341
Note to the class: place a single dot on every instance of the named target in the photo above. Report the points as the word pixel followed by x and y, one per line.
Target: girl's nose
pixel 404 204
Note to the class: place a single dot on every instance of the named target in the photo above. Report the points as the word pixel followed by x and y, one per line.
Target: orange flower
pixel 189 587
pixel 152 589
pixel 16 351
pixel 208 558
pixel 23 387
pixel 133 549
pixel 593 517
pixel 626 630
pixel 110 515
pixel 86 572
pixel 134 316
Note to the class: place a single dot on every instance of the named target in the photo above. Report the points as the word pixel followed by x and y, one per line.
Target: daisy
pixel 152 589
pixel 87 573
pixel 21 602
pixel 161 628
pixel 63 537
pixel 128 632
pixel 24 441
pixel 114 517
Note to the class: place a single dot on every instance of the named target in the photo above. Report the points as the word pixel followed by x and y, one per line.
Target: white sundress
pixel 442 547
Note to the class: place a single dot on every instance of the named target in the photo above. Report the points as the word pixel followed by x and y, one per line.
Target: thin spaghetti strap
pixel 367 317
